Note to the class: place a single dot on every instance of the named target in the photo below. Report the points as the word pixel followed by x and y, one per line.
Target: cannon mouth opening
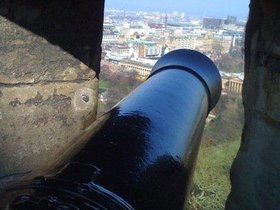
pixel 197 64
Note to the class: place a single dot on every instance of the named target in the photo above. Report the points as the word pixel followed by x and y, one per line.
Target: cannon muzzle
pixel 142 153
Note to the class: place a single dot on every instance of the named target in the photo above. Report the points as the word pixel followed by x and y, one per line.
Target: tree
pixel 119 84
pixel 227 63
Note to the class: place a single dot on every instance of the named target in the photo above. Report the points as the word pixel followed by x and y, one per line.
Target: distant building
pixel 130 29
pixel 156 25
pixel 231 20
pixel 148 49
pixel 142 69
pixel 212 23
pixel 201 42
pixel 184 41
pixel 110 37
pixel 119 52
pixel 232 84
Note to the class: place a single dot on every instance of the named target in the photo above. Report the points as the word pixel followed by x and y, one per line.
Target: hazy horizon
pixel 199 8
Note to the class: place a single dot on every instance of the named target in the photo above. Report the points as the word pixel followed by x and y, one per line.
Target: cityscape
pixel 135 40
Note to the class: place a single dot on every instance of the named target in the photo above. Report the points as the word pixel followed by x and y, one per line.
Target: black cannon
pixel 142 153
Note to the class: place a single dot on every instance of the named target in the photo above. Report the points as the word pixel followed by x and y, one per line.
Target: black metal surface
pixel 196 63
pixel 143 155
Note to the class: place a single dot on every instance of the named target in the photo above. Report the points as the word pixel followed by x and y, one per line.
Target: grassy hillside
pixel 211 183
pixel 220 143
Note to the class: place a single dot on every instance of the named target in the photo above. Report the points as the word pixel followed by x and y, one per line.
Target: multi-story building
pixel 142 68
pixel 201 42
pixel 146 49
pixel 188 41
pixel 212 23
pixel 231 20
pixel 110 37
pixel 118 52
pixel 232 84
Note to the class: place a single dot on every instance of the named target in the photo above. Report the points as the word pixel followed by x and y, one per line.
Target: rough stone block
pixel 49 64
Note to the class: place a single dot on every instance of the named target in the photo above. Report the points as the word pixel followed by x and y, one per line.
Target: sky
pixel 200 8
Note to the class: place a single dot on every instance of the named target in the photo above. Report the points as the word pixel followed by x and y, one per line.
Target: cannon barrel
pixel 142 153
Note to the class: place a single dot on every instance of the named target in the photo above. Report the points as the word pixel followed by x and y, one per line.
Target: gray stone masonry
pixel 49 65
pixel 255 173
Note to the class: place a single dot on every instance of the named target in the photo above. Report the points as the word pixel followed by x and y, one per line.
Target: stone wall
pixel 255 173
pixel 49 65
